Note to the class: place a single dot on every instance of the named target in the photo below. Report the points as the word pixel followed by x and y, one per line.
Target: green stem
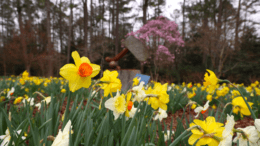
pixel 223 111
pixel 252 113
pixel 176 141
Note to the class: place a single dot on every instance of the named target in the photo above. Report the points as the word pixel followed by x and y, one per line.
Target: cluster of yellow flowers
pixel 80 74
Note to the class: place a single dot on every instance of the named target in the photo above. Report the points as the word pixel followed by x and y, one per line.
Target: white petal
pixel 67 127
pixel 257 124
pixel 206 106
pixel 198 109
pixel 110 104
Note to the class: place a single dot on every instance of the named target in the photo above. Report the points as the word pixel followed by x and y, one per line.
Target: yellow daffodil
pixel 22 81
pixel 161 99
pixel 210 134
pixel 257 90
pixel 63 90
pixel 189 85
pixel 26 89
pixel 209 97
pixel 191 94
pixel 116 104
pixel 112 83
pixel 18 100
pixel 198 85
pixel 136 81
pixel 80 74
pixel 210 79
pixel 193 106
pixel 25 74
pixel 2 98
pixel 240 105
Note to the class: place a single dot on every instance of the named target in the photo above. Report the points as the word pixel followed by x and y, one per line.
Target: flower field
pixel 77 110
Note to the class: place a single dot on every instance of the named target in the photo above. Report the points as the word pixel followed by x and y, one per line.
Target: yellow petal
pixel 204 141
pixel 68 71
pixel 193 138
pixel 245 111
pixel 85 59
pixel 114 74
pixel 76 58
pixel 79 82
pixel 106 91
pixel 95 71
pixel 213 142
pixel 163 106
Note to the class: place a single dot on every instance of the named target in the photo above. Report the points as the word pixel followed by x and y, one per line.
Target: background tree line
pixel 38 36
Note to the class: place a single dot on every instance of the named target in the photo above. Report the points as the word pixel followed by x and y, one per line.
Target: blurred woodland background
pixel 38 36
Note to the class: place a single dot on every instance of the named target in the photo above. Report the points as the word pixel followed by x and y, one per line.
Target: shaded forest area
pixel 38 36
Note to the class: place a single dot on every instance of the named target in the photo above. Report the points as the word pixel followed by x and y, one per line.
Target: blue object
pixel 144 78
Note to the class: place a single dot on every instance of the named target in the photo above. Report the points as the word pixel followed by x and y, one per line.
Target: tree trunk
pixel 145 6
pixel 205 29
pixel 49 47
pixel 237 25
pixel 219 24
pixel 23 37
pixel 117 27
pixel 85 8
pixel 69 38
pixel 60 34
pixel 183 20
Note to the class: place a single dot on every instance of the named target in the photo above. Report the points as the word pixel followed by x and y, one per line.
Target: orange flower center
pixel 11 93
pixel 204 111
pixel 129 105
pixel 85 70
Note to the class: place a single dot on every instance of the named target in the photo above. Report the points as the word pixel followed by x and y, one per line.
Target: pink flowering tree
pixel 158 35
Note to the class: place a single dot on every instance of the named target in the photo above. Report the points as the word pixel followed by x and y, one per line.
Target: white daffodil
pixel 201 109
pixel 29 101
pixel 184 90
pixel 228 132
pixel 7 137
pixel 167 135
pixel 94 93
pixel 251 135
pixel 257 124
pixel 139 93
pixel 46 99
pixel 11 92
pixel 116 104
pixel 62 139
pixel 161 114
pixel 132 112
pixel 169 88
